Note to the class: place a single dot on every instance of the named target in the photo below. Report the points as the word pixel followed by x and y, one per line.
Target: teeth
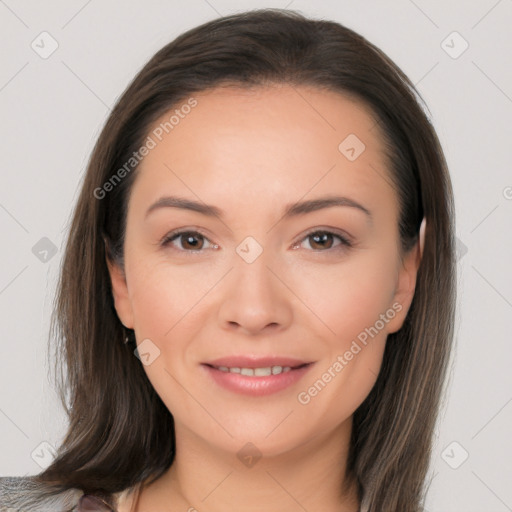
pixel 256 372
pixel 262 372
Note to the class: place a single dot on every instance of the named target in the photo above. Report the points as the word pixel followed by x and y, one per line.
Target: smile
pixel 255 377
pixel 256 372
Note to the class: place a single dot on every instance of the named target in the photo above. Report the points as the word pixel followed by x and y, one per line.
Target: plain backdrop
pixel 53 107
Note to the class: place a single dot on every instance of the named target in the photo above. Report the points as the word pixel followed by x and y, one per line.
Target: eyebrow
pixel 291 210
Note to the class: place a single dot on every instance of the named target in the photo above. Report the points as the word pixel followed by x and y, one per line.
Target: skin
pixel 250 153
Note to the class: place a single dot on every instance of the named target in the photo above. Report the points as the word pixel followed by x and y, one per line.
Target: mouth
pixel 256 376
pixel 261 371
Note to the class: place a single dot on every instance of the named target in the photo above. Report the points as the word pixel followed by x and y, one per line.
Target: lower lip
pixel 256 386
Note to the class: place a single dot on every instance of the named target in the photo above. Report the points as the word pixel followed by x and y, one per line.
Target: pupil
pixel 190 240
pixel 320 238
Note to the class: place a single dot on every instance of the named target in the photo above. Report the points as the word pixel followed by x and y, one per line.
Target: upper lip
pixel 256 362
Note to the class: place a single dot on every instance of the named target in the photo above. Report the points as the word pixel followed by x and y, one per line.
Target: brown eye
pixel 190 241
pixel 324 240
pixel 321 240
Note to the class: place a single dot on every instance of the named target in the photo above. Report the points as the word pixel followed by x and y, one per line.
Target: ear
pixel 406 282
pixel 421 238
pixel 122 301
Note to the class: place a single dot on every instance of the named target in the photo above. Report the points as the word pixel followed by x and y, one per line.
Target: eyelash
pixel 343 245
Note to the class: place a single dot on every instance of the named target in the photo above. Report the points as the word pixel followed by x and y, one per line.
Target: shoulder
pixel 25 494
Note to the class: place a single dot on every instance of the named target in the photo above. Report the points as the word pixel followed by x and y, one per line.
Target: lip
pixel 256 386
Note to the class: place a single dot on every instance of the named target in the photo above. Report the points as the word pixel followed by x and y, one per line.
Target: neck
pixel 309 477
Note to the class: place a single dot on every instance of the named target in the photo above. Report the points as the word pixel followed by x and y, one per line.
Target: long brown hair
pixel 120 432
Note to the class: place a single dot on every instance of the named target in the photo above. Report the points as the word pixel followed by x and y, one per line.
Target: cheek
pixel 165 297
pixel 170 306
pixel 354 302
pixel 352 356
pixel 168 310
pixel 349 297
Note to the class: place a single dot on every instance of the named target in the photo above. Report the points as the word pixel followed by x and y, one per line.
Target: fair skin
pixel 251 153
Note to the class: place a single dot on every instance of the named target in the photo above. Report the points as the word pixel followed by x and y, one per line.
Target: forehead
pixel 280 141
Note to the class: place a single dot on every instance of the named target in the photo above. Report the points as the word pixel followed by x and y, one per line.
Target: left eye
pixel 189 243
pixel 324 239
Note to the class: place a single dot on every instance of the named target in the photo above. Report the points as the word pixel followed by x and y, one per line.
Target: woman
pixel 257 296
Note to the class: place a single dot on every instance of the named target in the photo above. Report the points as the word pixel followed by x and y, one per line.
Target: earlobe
pixel 120 293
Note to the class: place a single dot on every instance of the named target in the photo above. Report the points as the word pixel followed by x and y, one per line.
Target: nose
pixel 254 299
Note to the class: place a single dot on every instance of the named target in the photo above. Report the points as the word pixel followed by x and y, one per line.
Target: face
pixel 261 323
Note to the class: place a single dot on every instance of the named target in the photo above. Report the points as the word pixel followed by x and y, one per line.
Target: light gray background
pixel 52 111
